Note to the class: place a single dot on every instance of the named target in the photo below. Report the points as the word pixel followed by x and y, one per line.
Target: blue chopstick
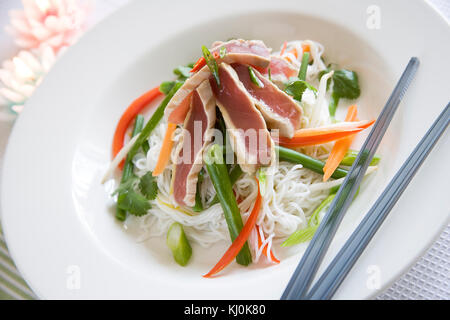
pixel 338 269
pixel 307 268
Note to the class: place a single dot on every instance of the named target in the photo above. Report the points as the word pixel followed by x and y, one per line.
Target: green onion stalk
pixel 220 179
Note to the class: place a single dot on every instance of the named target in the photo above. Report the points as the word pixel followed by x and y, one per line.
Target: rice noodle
pixel 118 158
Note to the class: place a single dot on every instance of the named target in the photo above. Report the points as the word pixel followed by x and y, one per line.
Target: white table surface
pixel 429 278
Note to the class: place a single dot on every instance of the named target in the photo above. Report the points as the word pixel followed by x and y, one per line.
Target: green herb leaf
pixel 133 203
pixel 295 88
pixel 211 63
pixel 166 86
pixel 182 72
pixel 345 84
pixel 148 186
pixel 254 78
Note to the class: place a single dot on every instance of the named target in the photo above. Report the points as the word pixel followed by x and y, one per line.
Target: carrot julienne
pixel 166 149
pixel 340 148
pixel 320 135
pixel 241 239
pixel 306 48
pixel 284 48
pixel 264 251
pixel 128 116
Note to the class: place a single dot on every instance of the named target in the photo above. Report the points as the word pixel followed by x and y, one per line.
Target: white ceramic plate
pixel 56 215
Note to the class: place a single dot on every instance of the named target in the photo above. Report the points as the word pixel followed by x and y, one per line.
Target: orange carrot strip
pixel 201 62
pixel 306 48
pixel 128 116
pixel 284 48
pixel 264 251
pixel 239 242
pixel 340 148
pixel 166 149
pixel 320 135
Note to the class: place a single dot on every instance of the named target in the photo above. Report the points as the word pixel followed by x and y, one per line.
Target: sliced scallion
pixel 179 244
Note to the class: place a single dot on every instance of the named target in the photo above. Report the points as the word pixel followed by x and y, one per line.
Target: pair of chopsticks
pixel 338 269
pixel 307 268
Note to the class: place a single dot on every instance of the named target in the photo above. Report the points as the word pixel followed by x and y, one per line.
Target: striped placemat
pixel 12 286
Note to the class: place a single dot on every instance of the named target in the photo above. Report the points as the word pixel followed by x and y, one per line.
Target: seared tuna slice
pixel 246 127
pixel 197 135
pixel 278 109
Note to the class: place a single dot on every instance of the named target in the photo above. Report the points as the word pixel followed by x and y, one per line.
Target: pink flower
pixel 20 76
pixel 55 23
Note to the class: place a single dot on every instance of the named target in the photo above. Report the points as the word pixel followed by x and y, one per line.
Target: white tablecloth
pixel 429 278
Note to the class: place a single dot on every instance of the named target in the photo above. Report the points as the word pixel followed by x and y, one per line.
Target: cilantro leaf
pixel 345 85
pixel 295 88
pixel 148 186
pixel 182 72
pixel 166 86
pixel 133 203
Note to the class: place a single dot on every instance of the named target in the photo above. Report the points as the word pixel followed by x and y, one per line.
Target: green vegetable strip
pixel 307 234
pixel 128 166
pixel 315 165
pixel 218 173
pixel 153 122
pixel 211 63
pixel 179 244
pixel 351 155
pixel 198 207
pixel 145 147
pixel 235 174
pixel 304 66
pixel 254 78
pixel 334 101
pixel 223 52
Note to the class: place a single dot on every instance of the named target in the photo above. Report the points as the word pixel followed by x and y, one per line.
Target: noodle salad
pixel 245 147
